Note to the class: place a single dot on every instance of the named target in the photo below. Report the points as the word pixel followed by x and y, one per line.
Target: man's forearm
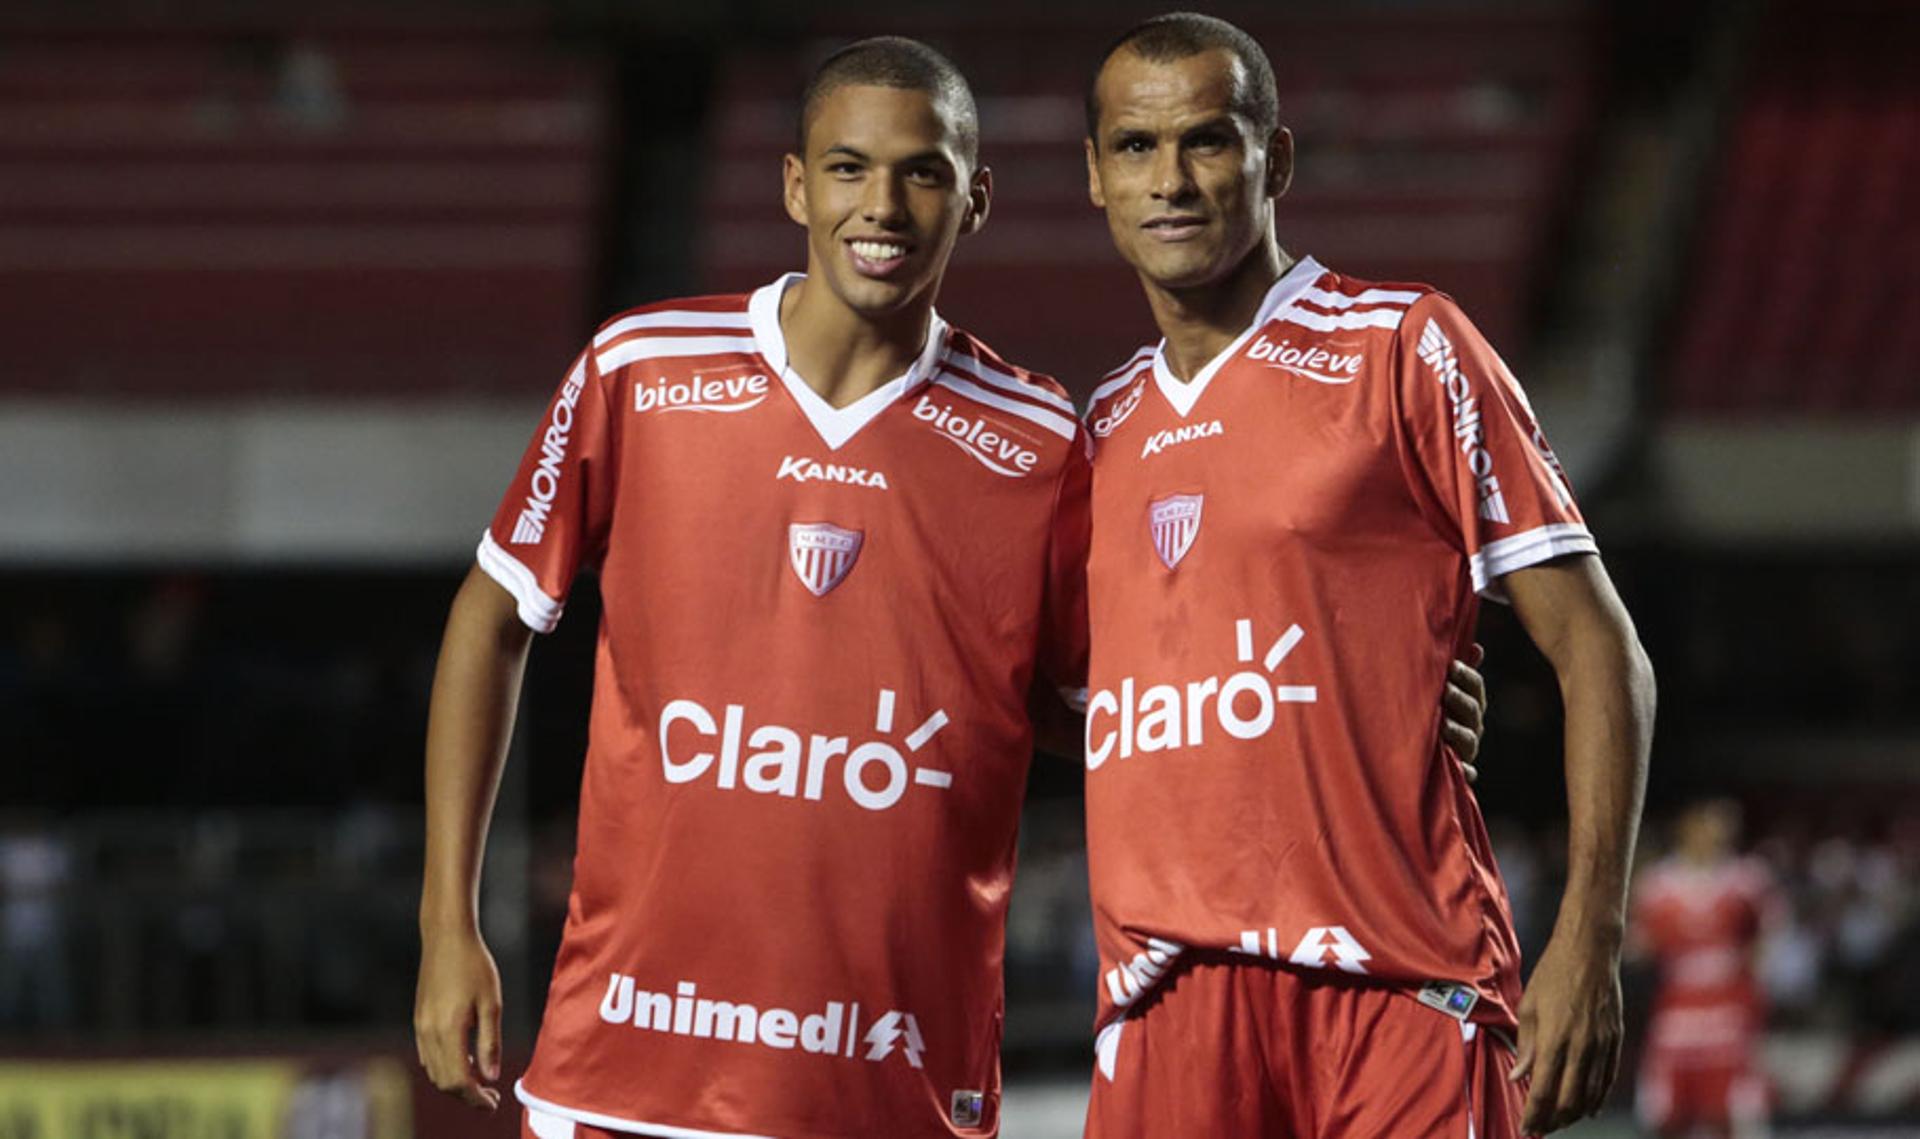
pixel 476 688
pixel 1607 687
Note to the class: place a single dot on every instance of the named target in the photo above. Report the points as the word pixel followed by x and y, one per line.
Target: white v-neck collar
pixel 1183 394
pixel 835 425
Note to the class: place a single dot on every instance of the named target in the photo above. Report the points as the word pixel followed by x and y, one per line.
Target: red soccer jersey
pixel 1702 926
pixel 809 739
pixel 1287 553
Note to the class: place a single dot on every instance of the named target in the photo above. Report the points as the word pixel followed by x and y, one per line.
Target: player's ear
pixel 979 201
pixel 793 189
pixel 1279 162
pixel 1094 193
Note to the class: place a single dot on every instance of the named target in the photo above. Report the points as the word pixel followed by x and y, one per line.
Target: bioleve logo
pixel 992 445
pixel 792 763
pixel 833 1031
pixel 1316 364
pixel 733 393
pixel 1105 425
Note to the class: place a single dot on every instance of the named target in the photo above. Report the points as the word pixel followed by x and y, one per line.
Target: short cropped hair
pixel 1181 35
pixel 902 63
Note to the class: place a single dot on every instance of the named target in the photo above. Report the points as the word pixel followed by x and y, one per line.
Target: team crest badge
pixel 1174 522
pixel 821 554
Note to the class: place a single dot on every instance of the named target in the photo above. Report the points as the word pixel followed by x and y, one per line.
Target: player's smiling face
pixel 885 189
pixel 1187 183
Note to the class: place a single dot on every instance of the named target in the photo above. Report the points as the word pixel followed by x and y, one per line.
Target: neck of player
pixel 843 354
pixel 1199 321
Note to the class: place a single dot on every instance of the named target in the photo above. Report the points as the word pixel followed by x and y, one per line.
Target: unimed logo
pixel 835 1030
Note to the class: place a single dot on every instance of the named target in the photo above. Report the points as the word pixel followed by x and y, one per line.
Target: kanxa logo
pixel 832 1031
pixel 1315 948
pixel 1174 436
pixel 774 759
pixel 799 468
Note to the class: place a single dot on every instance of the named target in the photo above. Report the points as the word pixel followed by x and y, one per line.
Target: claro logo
pixel 1168 717
pixel 833 1031
pixel 774 759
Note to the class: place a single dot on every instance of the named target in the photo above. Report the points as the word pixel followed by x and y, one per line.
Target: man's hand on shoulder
pixel 1463 708
pixel 459 997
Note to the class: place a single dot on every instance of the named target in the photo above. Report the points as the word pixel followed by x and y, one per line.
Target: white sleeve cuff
pixel 540 612
pixel 1543 543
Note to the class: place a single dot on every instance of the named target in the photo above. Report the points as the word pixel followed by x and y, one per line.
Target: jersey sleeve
pixel 1478 451
pixel 556 512
pixel 1063 633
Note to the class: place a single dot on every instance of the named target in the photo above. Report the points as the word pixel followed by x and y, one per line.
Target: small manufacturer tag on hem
pixel 967 1109
pixel 1455 1000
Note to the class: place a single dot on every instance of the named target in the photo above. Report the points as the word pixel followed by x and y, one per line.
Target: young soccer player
pixel 1700 914
pixel 836 539
pixel 1299 496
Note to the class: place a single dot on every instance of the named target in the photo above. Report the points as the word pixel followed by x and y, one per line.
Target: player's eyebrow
pixel 936 157
pixel 850 152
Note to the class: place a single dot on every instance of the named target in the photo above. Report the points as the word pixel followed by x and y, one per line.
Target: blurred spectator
pixel 34 870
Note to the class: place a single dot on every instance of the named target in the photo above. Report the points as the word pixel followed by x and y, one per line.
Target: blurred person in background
pixel 1701 915
pixel 35 867
pixel 1318 478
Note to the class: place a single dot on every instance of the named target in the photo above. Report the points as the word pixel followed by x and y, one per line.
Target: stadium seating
pixel 1433 146
pixel 1803 295
pixel 352 205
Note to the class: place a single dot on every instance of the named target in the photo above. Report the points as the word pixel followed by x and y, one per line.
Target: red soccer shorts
pixel 1231 1049
pixel 1675 1099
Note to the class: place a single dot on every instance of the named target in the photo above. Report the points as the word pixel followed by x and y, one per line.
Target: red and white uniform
pixel 1702 927
pixel 1288 550
pixel 809 736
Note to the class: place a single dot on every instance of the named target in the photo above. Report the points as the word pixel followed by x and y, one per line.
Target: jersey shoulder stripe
pixel 1120 378
pixel 657 324
pixel 1141 355
pixel 1338 298
pixel 1387 318
pixel 968 355
pixel 955 380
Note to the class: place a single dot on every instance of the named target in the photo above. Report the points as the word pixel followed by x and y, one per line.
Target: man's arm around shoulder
pixel 475 691
pixel 1570 1016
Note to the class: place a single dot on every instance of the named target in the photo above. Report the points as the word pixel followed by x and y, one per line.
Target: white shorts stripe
pixel 549 1126
pixel 673 347
pixel 678 318
pixel 615 1123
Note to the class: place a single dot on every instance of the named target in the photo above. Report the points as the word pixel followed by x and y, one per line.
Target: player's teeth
pixel 874 251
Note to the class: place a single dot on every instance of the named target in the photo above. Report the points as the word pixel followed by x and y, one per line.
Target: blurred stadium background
pixel 283 288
